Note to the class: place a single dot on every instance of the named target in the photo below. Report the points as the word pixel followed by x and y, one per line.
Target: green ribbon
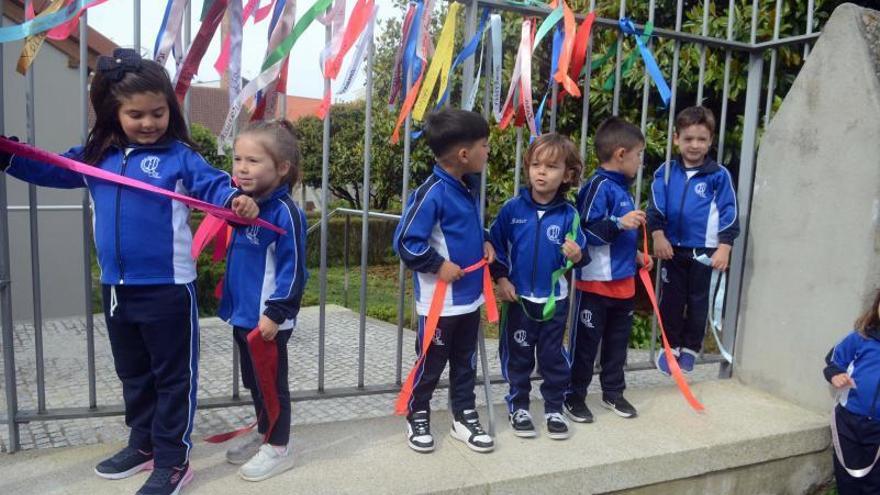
pixel 286 45
pixel 628 63
pixel 549 309
pixel 549 22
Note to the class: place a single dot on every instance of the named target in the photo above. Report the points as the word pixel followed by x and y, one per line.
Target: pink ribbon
pixel 27 151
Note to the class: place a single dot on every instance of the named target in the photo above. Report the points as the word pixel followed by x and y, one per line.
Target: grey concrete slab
pixel 667 442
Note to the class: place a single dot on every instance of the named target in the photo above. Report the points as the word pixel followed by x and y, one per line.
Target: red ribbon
pixel 581 42
pixel 27 151
pixel 360 16
pixel 677 375
pixel 264 356
pixel 562 75
pixel 402 405
pixel 199 45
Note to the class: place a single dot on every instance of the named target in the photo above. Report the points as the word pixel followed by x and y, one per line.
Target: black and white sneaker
pixel 577 411
pixel 418 430
pixel 127 462
pixel 557 426
pixel 466 427
pixel 620 406
pixel 521 422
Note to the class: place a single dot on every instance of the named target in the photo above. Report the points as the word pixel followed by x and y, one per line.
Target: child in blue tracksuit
pixel 534 235
pixel 853 367
pixel 605 295
pixel 439 234
pixel 264 282
pixel 692 215
pixel 143 245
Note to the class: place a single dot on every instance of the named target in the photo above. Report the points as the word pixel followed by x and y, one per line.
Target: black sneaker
pixel 167 481
pixel 577 411
pixel 521 422
pixel 418 432
pixel 620 406
pixel 466 427
pixel 557 426
pixel 127 462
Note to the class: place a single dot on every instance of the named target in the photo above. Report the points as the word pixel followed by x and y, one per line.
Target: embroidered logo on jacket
pixel 587 318
pixel 519 337
pixel 150 166
pixel 253 234
pixel 553 233
pixel 700 190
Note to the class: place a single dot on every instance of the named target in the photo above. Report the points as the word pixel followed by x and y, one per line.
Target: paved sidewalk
pixel 67 385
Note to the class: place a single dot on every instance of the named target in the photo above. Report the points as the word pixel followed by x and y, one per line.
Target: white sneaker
pixel 244 448
pixel 466 427
pixel 268 462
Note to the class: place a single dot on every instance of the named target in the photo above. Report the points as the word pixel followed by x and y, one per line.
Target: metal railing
pixel 755 52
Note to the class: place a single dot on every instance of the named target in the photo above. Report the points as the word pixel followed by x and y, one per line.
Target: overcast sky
pixel 115 20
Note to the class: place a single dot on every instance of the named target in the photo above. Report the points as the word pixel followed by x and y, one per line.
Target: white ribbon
pixel 236 22
pixel 835 440
pixel 497 58
pixel 171 34
pixel 360 53
pixel 717 289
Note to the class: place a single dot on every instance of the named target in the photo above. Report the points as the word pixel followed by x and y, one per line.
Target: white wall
pixel 57 125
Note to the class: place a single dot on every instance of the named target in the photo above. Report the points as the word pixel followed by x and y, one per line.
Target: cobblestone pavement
pixel 67 381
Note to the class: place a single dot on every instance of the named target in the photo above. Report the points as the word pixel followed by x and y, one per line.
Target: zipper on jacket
pixel 119 222
pixel 535 255
pixel 681 206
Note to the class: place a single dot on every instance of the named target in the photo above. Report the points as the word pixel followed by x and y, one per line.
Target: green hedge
pixel 379 251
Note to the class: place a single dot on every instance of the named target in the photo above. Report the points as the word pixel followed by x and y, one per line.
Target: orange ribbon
pixel 677 375
pixel 402 405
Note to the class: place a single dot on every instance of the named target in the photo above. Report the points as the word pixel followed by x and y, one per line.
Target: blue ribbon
pixel 411 63
pixel 162 28
pixel 627 27
pixel 558 38
pixel 42 23
pixel 468 51
pixel 539 115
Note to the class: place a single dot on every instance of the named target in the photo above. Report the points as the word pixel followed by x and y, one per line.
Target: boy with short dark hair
pixel 605 295
pixel 692 215
pixel 440 232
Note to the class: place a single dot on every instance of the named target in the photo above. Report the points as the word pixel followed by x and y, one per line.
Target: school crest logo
pixel 700 190
pixel 587 318
pixel 253 234
pixel 150 166
pixel 438 338
pixel 519 337
pixel 553 233
pixel 663 275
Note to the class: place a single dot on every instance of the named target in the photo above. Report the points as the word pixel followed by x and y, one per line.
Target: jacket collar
pixel 709 165
pixel 526 195
pixel 615 176
pixel 471 181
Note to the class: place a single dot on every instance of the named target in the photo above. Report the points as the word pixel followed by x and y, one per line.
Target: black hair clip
pixel 123 60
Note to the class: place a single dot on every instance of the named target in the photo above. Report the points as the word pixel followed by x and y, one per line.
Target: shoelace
pixel 557 417
pixel 474 426
pixel 420 427
pixel 521 415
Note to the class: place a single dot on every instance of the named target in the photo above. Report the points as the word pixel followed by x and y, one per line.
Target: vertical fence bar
pixel 615 104
pixel 517 172
pixel 35 245
pixel 726 88
pixel 810 8
pixel 365 217
pixel 585 94
pixel 554 107
pixel 187 41
pixel 136 32
pixel 325 185
pixel 744 203
pixel 345 247
pixel 669 130
pixel 771 80
pixel 646 95
pixel 6 290
pixel 401 276
pixel 86 210
pixel 704 31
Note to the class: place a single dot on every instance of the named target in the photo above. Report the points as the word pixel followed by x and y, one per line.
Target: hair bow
pixel 124 60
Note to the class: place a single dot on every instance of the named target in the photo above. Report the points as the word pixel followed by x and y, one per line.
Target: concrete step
pixel 742 430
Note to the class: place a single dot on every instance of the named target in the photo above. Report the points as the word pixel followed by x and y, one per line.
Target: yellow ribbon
pixel 440 64
pixel 33 44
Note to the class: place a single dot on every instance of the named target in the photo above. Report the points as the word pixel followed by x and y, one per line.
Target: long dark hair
pixel 123 76
pixel 869 320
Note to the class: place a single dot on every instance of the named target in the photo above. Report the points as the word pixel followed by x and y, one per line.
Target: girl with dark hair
pixel 143 244
pixel 853 368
